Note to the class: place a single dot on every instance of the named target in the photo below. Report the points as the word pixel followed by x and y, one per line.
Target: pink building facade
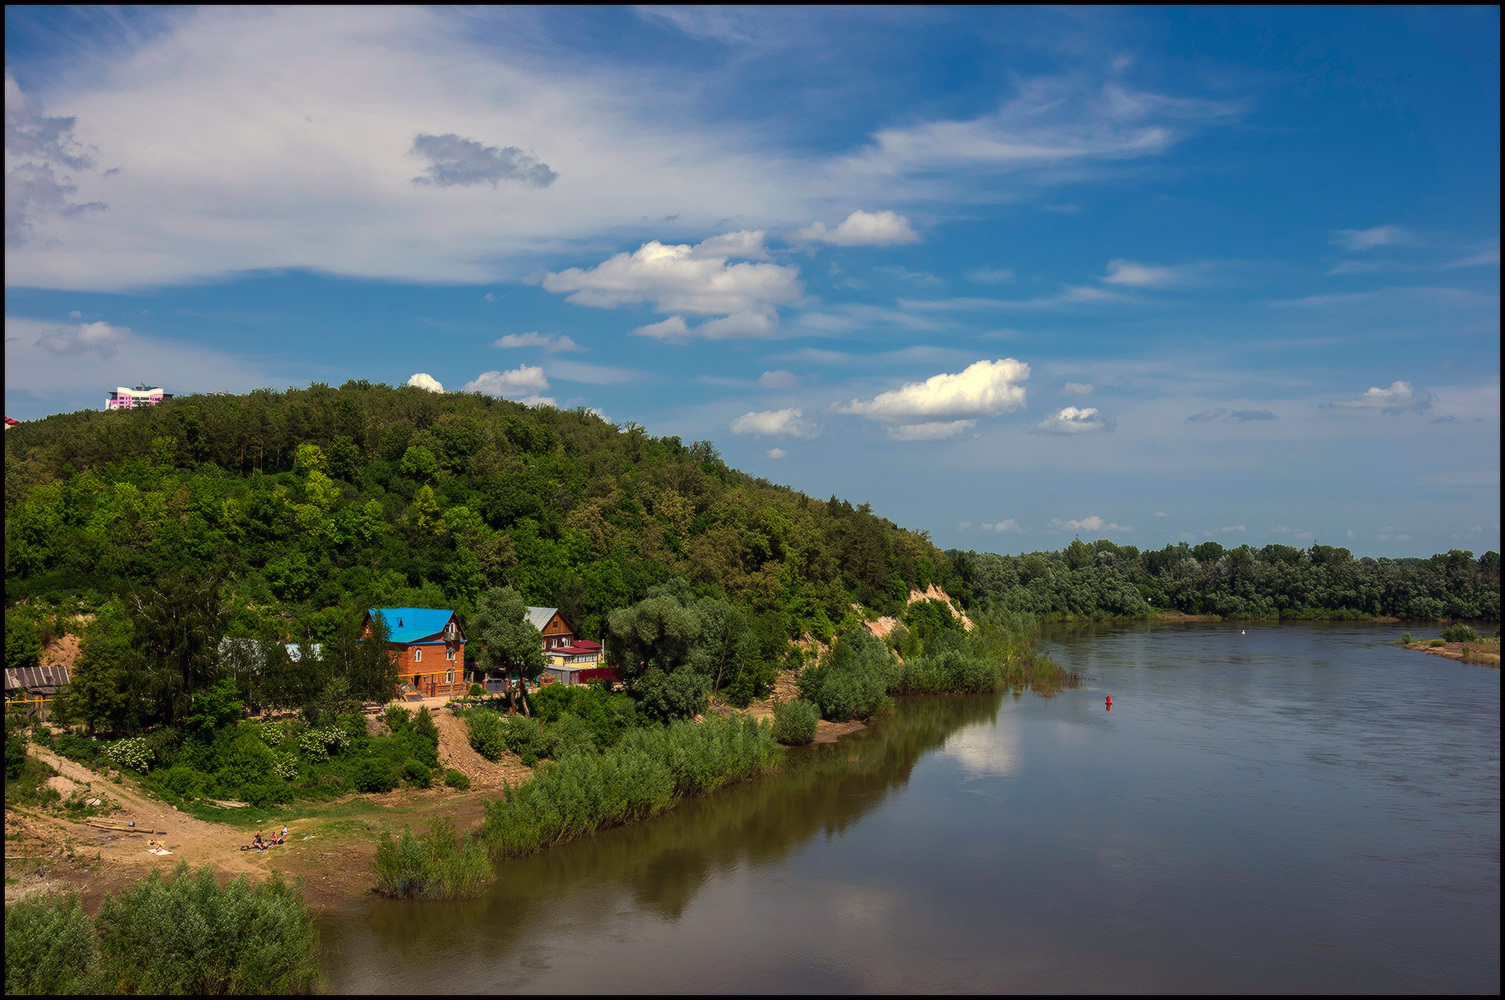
pixel 124 398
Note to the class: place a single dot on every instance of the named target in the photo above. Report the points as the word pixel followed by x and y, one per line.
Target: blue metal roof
pixel 412 624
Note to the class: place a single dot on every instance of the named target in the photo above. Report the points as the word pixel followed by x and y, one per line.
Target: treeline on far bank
pixel 1105 580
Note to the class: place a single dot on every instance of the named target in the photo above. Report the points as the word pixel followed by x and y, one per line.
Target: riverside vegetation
pixel 179 935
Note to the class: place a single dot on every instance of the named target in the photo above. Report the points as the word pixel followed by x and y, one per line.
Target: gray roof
pixel 36 680
pixel 294 650
pixel 539 617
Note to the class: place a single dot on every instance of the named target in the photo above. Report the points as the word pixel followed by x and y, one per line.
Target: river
pixel 1266 808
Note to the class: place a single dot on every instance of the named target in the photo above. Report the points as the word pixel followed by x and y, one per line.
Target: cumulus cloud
pixel 1007 524
pixel 1368 239
pixel 1219 414
pixel 1093 523
pixel 934 430
pixel 984 389
pixel 778 379
pixel 861 229
pixel 97 338
pixel 546 341
pixel 1161 513
pixel 424 380
pixel 523 384
pixel 1072 420
pixel 681 278
pixel 1399 398
pixel 1126 272
pixel 457 161
pixel 1078 388
pixel 777 453
pixel 776 423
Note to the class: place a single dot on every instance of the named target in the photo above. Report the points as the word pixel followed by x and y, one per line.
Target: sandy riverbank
pixel 1485 652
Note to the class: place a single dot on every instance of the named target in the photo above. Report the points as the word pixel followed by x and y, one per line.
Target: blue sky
pixel 1009 275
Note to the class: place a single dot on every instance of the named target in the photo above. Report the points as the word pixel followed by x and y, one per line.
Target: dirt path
pixel 455 751
pixel 786 689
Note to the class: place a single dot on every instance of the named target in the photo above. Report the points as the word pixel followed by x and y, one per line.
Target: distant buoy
pixel 1242 632
pixel 1110 703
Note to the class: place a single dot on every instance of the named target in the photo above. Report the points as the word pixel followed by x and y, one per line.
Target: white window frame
pixel 449 653
pixel 417 654
pixel 449 677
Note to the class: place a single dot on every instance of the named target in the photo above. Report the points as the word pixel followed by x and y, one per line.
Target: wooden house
pixel 428 647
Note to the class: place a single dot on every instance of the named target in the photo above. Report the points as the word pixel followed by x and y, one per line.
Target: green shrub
pixel 186 935
pixel 15 751
pixel 794 722
pixel 852 680
pixel 417 774
pixel 50 947
pixel 183 782
pixel 1460 633
pixel 397 718
pixel 529 758
pixel 1405 638
pixel 323 743
pixel 84 749
pixel 434 865
pixel 372 774
pixel 476 691
pixel 456 780
pixel 485 729
pixel 1438 642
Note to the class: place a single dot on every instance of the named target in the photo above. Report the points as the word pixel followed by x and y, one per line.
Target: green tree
pixel 504 640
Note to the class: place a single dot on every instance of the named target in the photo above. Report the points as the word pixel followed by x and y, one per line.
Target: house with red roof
pixel 428 647
pixel 570 660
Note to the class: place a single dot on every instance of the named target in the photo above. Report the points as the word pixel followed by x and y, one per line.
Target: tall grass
pixel 434 865
pixel 186 935
pixel 641 776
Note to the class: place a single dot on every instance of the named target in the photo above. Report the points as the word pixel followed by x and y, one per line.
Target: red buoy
pixel 1110 703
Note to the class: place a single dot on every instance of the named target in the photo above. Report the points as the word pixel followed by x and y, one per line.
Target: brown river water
pixel 1267 808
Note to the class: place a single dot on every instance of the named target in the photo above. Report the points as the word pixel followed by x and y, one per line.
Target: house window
pixel 449 654
pixel 417 656
pixel 449 677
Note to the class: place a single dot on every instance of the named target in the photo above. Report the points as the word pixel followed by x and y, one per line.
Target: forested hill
pixel 309 502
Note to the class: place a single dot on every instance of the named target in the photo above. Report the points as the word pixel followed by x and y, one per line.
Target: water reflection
pixel 656 867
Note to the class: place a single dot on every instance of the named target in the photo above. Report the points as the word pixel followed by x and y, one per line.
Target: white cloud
pixel 1126 272
pixel 321 165
pixel 861 229
pixel 1078 388
pixel 932 431
pixel 98 338
pixel 1396 399
pixel 778 379
pixel 1368 239
pixel 424 380
pixel 533 338
pixel 984 389
pixel 1093 523
pixel 683 278
pixel 1161 513
pixel 992 275
pixel 1072 420
pixel 523 383
pixel 1049 123
pixel 1007 524
pixel 489 297
pixel 1234 529
pixel 777 453
pixel 776 423
pixel 673 328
